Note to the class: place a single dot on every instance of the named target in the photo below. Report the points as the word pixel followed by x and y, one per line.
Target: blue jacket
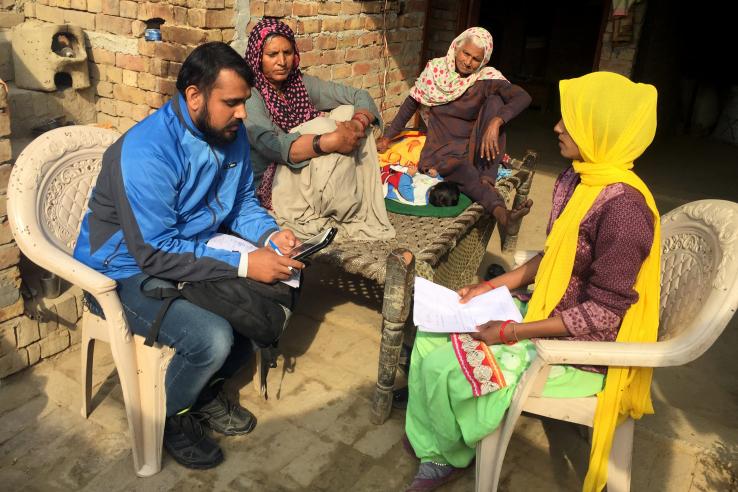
pixel 162 193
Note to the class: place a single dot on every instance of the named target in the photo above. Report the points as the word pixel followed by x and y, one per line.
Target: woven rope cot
pixel 445 250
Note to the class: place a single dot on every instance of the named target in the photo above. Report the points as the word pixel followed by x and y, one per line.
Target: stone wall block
pixel 13 362
pixel 9 255
pixel 47 321
pixel 54 343
pixel 34 353
pixel 8 342
pixel 27 332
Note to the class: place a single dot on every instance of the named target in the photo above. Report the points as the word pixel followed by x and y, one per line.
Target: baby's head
pixel 444 194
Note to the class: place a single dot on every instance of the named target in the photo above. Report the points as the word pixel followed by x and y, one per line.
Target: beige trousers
pixel 333 190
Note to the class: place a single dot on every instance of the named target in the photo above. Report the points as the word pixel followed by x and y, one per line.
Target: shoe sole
pixel 196 466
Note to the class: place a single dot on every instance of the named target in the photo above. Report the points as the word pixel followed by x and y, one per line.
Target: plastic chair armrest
pixel 76 272
pixel 621 354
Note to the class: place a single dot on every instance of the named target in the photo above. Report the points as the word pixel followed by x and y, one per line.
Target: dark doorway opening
pixel 538 43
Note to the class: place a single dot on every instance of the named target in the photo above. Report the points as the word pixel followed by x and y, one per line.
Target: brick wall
pixel 620 41
pixel 51 325
pixel 340 40
pixel 443 18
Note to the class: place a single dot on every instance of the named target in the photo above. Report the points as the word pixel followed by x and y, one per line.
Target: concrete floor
pixel 314 431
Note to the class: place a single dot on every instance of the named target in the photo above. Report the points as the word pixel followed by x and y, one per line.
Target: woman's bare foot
pixel 506 218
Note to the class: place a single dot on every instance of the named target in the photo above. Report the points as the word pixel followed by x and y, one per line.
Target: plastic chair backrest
pixel 64 164
pixel 699 272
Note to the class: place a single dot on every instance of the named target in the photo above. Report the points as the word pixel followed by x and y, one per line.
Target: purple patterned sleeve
pixel 622 233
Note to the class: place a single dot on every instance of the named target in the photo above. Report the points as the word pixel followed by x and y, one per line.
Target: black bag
pixel 257 311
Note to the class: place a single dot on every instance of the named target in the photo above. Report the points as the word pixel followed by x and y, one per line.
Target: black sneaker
pixel 186 441
pixel 225 416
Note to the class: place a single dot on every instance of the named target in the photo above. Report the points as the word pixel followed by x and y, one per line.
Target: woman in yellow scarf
pixel 598 279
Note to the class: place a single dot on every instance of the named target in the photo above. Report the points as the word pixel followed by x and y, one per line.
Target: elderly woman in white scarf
pixel 466 105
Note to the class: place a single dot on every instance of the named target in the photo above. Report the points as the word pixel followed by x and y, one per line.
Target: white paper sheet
pixel 437 309
pixel 233 243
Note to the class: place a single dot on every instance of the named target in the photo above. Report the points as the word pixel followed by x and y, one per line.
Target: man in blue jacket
pixel 165 188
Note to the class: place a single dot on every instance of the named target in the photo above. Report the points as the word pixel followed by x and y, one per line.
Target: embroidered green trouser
pixel 444 421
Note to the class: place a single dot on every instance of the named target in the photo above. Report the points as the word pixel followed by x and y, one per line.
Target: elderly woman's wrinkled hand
pixel 490 146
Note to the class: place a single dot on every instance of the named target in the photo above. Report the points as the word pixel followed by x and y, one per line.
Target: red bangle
pixel 489 282
pixel 362 119
pixel 502 333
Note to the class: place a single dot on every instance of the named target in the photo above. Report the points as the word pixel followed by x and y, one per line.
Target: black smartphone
pixel 315 243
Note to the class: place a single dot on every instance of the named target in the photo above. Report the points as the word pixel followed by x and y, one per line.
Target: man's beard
pixel 213 136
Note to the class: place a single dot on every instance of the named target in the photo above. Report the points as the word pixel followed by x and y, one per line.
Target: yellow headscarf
pixel 612 120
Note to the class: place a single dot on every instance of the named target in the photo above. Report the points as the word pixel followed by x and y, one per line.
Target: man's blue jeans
pixel 206 347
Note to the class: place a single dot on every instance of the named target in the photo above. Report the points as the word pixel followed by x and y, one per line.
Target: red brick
pixel 85 20
pixel 94 6
pixel 363 68
pixel 174 69
pixel 220 18
pixel 340 71
pixel 369 38
pixel 196 17
pixel 183 35
pixel 111 7
pixel 50 14
pixel 333 24
pixel 166 86
pixel 5 235
pixel 140 111
pixel 304 9
pixel 325 42
pixel 158 66
pixel 105 105
pixel 374 22
pixel 329 8
pixel 151 10
pixel 308 26
pixel 129 94
pixel 116 25
pixel 146 81
pixel 128 9
pixel 137 28
pixel 4 123
pixel 353 23
pixel 104 89
pixel 131 62
pixel 114 74
pixel 331 57
pixel 310 58
pixel 215 35
pixel 6 152
pixel 79 4
pixel 256 9
pixel 180 15
pixel 351 7
pixel 275 8
pixel 304 44
pixel 155 100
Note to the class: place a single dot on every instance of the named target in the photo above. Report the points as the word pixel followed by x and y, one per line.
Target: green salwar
pixel 444 421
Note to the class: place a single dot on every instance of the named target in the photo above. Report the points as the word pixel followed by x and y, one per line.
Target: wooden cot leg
pixel 527 171
pixel 398 289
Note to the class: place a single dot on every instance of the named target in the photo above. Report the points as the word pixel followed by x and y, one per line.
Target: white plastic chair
pixel 47 198
pixel 699 295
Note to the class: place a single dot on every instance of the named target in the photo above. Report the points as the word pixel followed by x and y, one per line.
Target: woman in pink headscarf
pixel 313 165
pixel 465 105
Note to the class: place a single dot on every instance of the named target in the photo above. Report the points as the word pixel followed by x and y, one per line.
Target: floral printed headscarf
pixel 439 83
pixel 293 107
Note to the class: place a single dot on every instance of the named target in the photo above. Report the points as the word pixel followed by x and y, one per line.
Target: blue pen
pixel 276 250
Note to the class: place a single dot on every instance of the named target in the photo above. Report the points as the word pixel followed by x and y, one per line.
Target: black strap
pixel 166 294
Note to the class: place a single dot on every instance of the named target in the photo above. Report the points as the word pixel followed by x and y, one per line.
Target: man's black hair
pixel 203 65
pixel 444 194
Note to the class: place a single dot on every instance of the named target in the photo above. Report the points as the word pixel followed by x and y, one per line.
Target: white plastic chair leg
pixel 152 366
pixel 491 455
pixel 487 458
pixel 620 463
